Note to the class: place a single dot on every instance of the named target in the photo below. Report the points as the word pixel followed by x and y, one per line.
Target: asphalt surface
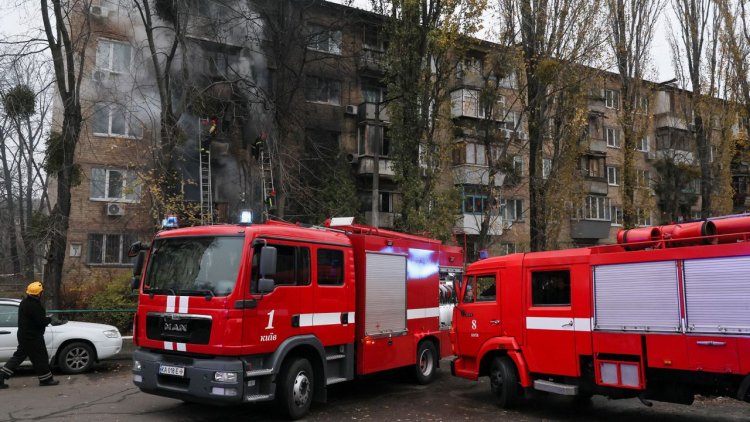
pixel 107 394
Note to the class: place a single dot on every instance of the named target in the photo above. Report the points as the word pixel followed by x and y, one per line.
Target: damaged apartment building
pixel 274 101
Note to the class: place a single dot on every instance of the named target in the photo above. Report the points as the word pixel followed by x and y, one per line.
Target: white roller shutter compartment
pixel 385 304
pixel 717 295
pixel 640 296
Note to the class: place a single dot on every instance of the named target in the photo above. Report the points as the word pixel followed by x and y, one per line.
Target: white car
pixel 73 347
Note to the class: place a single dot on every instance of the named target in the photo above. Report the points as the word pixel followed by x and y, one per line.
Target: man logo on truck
pixel 182 328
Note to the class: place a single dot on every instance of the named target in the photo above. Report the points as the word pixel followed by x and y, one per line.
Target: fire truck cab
pixel 663 315
pixel 241 314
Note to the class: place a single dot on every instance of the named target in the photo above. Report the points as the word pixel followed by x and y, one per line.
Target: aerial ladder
pixel 266 177
pixel 204 163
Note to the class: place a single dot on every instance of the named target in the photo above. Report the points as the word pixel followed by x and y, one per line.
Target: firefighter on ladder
pixel 213 126
pixel 259 145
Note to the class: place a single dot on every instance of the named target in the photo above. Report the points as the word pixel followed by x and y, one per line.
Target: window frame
pixel 613 176
pixel 128 176
pixel 110 66
pixel 111 110
pixel 615 136
pixel 124 242
pixel 317 31
pixel 328 85
pixel 612 99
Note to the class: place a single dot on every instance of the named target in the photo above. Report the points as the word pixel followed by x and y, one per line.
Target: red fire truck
pixel 251 313
pixel 662 315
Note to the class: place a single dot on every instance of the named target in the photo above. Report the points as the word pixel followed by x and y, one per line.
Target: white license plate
pixel 172 370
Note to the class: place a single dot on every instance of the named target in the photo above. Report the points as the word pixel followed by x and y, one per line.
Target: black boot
pixel 2 381
pixel 49 381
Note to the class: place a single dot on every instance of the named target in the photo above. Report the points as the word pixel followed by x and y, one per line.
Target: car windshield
pixel 194 266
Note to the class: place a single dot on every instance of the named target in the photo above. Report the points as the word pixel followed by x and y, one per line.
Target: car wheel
pixel 504 382
pixel 426 363
pixel 75 358
pixel 295 391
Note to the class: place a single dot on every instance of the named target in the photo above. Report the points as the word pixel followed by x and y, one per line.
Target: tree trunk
pixel 11 204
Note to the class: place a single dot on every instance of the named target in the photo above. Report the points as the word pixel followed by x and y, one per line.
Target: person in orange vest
pixel 32 321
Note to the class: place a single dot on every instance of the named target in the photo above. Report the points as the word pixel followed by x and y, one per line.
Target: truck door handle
pixel 495 321
pixel 570 324
pixel 711 343
pixel 4 332
pixel 466 314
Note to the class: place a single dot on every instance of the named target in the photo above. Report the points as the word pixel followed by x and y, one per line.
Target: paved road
pixel 108 395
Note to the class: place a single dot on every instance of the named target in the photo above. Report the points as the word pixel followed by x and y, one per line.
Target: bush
pixel 111 292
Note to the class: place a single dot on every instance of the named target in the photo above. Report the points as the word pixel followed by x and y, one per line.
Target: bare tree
pixel 695 49
pixel 66 39
pixel 554 39
pixel 26 103
pixel 631 27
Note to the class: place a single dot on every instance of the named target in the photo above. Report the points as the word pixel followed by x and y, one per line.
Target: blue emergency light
pixel 170 222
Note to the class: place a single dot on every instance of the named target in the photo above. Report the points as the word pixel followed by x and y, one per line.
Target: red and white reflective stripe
pixel 180 347
pixel 558 324
pixel 180 305
pixel 324 318
pixel 180 301
pixel 422 313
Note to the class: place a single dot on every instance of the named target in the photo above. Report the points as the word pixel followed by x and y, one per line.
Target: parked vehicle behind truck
pixel 663 315
pixel 275 311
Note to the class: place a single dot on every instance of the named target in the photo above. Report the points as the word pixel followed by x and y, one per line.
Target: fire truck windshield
pixel 201 266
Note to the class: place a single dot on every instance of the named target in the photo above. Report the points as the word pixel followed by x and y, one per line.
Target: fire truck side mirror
pixel 138 270
pixel 267 261
pixel 265 285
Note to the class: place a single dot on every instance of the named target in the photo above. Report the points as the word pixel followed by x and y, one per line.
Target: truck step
pixel 335 380
pixel 335 357
pixel 557 388
pixel 258 372
pixel 258 397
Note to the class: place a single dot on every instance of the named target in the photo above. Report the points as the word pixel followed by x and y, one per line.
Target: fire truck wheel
pixel 426 363
pixel 295 389
pixel 504 381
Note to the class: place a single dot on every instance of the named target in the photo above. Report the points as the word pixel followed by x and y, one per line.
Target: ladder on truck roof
pixel 204 163
pixel 266 177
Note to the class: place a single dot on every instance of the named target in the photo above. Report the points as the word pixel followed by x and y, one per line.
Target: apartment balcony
pixel 371 60
pixel 472 174
pixel 677 156
pixel 471 223
pixel 365 165
pixel 670 121
pixel 597 145
pixel 589 229
pixel 373 112
pixel 471 79
pixel 597 186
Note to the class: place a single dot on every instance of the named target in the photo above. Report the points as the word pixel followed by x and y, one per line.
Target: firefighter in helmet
pixel 32 321
pixel 259 145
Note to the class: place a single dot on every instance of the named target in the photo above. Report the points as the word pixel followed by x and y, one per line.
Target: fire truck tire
pixel 426 363
pixel 504 382
pixel 295 389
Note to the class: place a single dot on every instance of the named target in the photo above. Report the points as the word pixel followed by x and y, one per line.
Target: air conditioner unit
pixel 99 11
pixel 113 208
pixel 99 75
pixel 351 109
pixel 352 158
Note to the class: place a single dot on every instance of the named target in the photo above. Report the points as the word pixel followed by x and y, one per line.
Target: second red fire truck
pixel 663 315
pixel 242 314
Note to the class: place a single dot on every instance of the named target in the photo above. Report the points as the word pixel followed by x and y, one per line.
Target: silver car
pixel 73 347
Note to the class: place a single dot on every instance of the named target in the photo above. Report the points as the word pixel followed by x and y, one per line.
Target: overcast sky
pixel 16 20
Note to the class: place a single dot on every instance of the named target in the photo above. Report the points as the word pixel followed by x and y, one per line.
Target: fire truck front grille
pixel 179 328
